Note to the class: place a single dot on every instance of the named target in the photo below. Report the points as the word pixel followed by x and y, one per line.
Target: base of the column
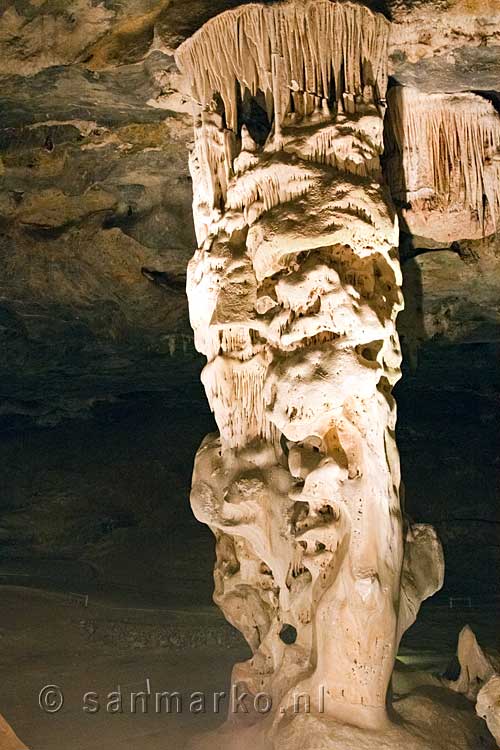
pixel 429 718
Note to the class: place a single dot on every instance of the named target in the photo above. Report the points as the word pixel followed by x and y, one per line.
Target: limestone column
pixel 294 292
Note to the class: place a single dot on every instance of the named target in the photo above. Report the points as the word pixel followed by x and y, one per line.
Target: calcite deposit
pixel 443 162
pixel 479 679
pixel 476 667
pixel 293 293
pixel 294 290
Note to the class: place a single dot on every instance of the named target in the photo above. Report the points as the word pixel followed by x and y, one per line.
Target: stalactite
pixel 235 393
pixel 239 48
pixel 449 152
pixel 269 187
pixel 347 146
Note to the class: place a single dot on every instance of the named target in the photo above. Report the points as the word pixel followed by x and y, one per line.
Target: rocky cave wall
pixel 96 233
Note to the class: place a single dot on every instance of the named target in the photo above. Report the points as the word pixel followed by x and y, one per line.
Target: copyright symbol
pixel 51 699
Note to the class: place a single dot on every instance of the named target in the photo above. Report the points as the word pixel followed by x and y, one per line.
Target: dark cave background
pixel 104 500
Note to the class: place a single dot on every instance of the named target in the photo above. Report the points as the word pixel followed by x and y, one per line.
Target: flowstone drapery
pixel 443 162
pixel 293 294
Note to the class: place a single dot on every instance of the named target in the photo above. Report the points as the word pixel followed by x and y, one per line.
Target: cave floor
pixel 52 638
pixel 99 509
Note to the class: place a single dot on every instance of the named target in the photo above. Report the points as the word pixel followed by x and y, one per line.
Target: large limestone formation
pixel 294 292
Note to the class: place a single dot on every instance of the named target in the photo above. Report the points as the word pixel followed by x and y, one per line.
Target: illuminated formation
pixel 294 292
pixel 443 162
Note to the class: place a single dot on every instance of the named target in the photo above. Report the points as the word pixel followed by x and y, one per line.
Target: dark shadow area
pixel 252 113
pixel 104 502
pixel 492 96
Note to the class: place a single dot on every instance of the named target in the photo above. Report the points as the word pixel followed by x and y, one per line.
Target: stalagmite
pixel 294 293
pixel 479 679
pixel 476 667
pixel 443 162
